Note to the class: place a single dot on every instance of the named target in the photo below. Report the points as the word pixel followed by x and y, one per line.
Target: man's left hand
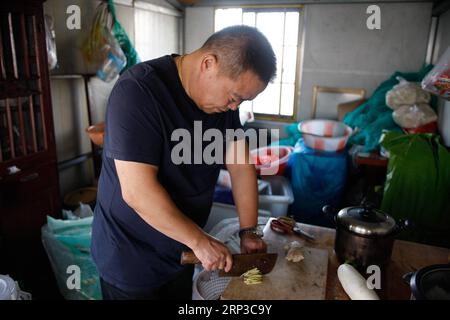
pixel 251 243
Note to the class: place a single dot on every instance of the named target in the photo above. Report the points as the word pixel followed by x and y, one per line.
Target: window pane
pixel 268 101
pixel 291 30
pixel 287 100
pixel 278 54
pixel 227 17
pixel 156 34
pixel 246 106
pixel 271 24
pixel 289 64
pixel 277 26
pixel 249 19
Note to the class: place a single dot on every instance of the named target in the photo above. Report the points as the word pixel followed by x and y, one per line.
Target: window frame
pixel 276 8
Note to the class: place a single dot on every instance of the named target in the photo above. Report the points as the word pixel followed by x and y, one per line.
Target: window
pixel 157 30
pixel 281 27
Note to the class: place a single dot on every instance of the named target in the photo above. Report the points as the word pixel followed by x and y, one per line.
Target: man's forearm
pixel 154 206
pixel 245 193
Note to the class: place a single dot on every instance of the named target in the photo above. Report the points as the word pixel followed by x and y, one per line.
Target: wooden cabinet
pixel 29 188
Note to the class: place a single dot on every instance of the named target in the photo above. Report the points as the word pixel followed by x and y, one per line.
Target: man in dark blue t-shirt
pixel 151 206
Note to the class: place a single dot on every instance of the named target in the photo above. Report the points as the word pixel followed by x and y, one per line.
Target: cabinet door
pixel 29 193
pixel 26 125
pixel 26 198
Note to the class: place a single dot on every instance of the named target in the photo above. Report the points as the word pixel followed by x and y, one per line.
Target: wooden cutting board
pixel 305 280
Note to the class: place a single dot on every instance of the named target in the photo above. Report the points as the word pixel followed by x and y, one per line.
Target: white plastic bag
pixel 414 116
pixel 406 93
pixel 437 81
pixel 83 211
pixel 50 42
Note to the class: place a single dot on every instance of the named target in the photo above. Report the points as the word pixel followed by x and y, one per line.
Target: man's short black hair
pixel 241 48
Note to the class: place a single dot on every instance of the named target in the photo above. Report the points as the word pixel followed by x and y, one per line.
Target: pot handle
pixel 407 277
pixel 404 224
pixel 330 212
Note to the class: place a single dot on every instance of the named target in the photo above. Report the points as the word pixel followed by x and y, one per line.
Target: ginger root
pixel 294 251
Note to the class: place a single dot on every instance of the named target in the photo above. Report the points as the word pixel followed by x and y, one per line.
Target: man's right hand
pixel 213 254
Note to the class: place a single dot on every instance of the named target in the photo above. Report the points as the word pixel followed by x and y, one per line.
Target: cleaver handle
pixel 188 257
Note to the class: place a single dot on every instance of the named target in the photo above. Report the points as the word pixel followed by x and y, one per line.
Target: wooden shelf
pixel 371 159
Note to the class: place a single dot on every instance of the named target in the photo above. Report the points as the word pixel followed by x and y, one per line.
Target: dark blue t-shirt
pixel 146 104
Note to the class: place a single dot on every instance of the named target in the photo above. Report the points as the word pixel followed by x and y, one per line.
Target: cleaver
pixel 241 262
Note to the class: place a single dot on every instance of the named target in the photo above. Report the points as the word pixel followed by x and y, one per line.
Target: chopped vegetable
pixel 252 276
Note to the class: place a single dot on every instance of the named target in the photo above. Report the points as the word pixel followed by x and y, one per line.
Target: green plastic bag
pixel 418 186
pixel 122 37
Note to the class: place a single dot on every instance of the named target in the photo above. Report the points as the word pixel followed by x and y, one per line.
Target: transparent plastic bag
pixel 67 243
pixel 414 116
pixel 107 45
pixel 406 93
pixel 98 36
pixel 437 81
pixel 114 60
pixel 50 42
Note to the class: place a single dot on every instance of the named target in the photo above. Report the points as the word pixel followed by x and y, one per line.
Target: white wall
pixel 198 26
pixel 70 118
pixel 339 50
pixel 442 36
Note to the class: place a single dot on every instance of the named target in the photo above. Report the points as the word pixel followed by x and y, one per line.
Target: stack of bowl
pixel 325 135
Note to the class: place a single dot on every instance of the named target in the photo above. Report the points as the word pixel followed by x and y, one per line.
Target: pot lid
pixel 366 221
pixel 432 283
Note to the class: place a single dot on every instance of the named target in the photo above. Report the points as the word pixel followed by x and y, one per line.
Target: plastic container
pixel 220 211
pixel 9 289
pixel 335 134
pixel 271 160
pixel 277 197
pixel 274 198
pixel 225 195
pixel 208 285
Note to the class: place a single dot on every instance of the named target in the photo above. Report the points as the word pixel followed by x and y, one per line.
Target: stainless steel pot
pixel 364 235
pixel 430 283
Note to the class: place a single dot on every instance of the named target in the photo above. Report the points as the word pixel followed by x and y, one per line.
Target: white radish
pixel 354 284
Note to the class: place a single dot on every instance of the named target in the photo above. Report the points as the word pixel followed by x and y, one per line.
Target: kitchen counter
pixel 406 257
